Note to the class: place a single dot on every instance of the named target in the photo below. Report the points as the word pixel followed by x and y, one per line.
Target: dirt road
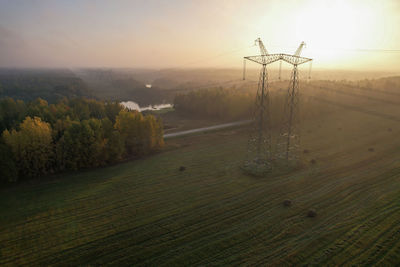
pixel 205 129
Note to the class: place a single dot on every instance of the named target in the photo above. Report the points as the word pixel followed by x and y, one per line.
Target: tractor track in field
pixel 337 203
pixel 353 239
pixel 354 108
pixel 370 98
pixel 231 247
pixel 179 215
pixel 251 204
pixel 366 89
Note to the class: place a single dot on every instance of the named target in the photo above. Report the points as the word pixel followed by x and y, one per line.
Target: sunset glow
pixel 339 34
pixel 199 132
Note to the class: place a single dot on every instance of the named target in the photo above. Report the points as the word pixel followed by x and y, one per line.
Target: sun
pixel 333 30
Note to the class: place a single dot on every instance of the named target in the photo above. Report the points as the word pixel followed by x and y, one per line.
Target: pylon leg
pixel 259 144
pixel 289 137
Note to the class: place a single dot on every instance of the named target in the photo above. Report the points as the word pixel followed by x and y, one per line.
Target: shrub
pixel 287 203
pixel 311 213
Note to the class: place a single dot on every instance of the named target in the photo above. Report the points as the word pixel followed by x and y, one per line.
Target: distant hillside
pixel 48 84
pixel 121 85
pixel 130 84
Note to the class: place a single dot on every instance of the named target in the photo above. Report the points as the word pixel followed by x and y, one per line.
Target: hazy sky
pixel 203 33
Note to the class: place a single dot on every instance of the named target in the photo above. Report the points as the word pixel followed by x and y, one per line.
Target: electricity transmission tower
pixel 259 145
pixel 289 137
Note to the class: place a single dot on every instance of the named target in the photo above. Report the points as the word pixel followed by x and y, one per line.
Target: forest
pixel 49 84
pixel 230 104
pixel 216 102
pixel 39 138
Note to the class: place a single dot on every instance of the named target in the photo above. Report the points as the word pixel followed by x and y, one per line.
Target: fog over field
pixel 200 133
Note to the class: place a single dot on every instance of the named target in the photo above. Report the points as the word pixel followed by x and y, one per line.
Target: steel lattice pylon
pixel 259 143
pixel 289 137
pixel 259 156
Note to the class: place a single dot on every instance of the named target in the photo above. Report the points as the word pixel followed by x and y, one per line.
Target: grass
pixel 147 212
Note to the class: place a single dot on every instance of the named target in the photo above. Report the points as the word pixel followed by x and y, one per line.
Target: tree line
pixel 51 85
pixel 229 104
pixel 40 138
pixel 235 104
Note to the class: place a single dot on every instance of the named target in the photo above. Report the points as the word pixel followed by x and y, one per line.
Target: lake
pixel 135 106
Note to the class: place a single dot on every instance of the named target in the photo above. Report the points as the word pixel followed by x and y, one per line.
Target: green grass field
pixel 147 212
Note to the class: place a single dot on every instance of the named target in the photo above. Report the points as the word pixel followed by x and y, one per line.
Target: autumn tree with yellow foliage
pixel 31 146
pixel 71 135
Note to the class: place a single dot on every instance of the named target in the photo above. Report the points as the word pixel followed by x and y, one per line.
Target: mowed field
pixel 147 212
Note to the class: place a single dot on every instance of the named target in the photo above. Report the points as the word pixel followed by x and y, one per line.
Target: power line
pixel 374 50
pixel 367 50
pixel 223 54
pixel 210 58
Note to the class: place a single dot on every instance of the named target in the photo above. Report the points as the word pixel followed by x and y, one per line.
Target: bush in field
pixel 312 213
pixel 287 203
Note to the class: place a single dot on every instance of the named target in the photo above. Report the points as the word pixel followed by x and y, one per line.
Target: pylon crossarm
pixel 264 60
pixel 294 60
pixel 268 59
